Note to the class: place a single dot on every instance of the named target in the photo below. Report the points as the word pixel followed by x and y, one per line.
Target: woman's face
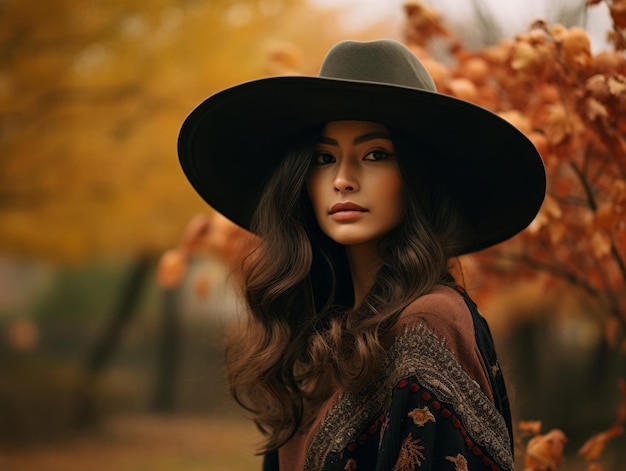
pixel 355 184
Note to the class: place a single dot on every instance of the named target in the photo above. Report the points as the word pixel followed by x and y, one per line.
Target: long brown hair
pixel 303 332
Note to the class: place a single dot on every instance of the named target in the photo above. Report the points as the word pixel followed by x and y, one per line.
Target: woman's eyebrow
pixel 371 136
pixel 357 140
pixel 327 140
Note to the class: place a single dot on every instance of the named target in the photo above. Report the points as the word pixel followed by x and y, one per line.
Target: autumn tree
pixel 572 105
pixel 92 95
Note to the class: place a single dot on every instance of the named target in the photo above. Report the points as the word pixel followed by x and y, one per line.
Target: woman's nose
pixel 346 179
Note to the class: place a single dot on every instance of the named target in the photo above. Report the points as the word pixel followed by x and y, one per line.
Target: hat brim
pixel 233 141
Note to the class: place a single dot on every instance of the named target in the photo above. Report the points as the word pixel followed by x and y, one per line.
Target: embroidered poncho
pixel 439 403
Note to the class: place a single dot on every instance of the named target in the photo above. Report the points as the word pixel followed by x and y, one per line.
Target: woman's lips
pixel 346 211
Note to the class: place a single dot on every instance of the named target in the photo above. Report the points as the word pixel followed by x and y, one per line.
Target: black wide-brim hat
pixel 232 142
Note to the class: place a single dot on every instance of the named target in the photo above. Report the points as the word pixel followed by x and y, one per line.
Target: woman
pixel 360 351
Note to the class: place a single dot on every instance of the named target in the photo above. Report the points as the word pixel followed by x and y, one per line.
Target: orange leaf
pixel 598 87
pixel 617 85
pixel 438 71
pixel 202 286
pixel 558 126
pixel 22 335
pixel 540 142
pixel 497 54
pixel 595 110
pixel 594 447
pixel 552 207
pixel 558 32
pixel 600 244
pixel 606 217
pixel 618 13
pixel 526 58
pixel 576 47
pixel 608 62
pixel 475 69
pixel 196 231
pixel 517 119
pixel 532 427
pixel 548 93
pixel 171 268
pixel 618 191
pixel 462 88
pixel 545 452
pixel 556 231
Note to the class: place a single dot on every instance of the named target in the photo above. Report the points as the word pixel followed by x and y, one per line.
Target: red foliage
pixel 572 105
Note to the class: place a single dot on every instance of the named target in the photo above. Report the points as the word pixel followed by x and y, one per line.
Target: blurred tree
pixel 480 23
pixel 572 105
pixel 92 95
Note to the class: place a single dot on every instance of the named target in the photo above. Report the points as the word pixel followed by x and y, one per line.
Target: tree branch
pixel 554 270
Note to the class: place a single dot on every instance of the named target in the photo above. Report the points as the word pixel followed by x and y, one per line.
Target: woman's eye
pixel 321 159
pixel 377 155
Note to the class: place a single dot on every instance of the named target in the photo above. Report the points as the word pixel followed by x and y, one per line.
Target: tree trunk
pixel 105 345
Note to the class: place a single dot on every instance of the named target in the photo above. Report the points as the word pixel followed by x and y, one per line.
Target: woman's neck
pixel 364 263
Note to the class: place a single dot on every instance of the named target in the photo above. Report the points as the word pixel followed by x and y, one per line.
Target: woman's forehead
pixel 355 129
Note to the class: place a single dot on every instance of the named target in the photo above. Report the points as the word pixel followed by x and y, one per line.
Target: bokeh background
pixel 105 362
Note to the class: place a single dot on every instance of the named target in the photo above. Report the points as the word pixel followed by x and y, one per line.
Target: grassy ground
pixel 144 443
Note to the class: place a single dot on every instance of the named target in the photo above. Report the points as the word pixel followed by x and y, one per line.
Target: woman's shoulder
pixel 440 324
pixel 443 310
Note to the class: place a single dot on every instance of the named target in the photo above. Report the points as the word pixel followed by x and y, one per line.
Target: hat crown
pixel 382 61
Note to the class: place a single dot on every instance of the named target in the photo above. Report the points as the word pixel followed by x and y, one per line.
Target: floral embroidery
pixel 460 463
pixel 417 352
pixel 410 455
pixel 421 416
pixel 350 465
